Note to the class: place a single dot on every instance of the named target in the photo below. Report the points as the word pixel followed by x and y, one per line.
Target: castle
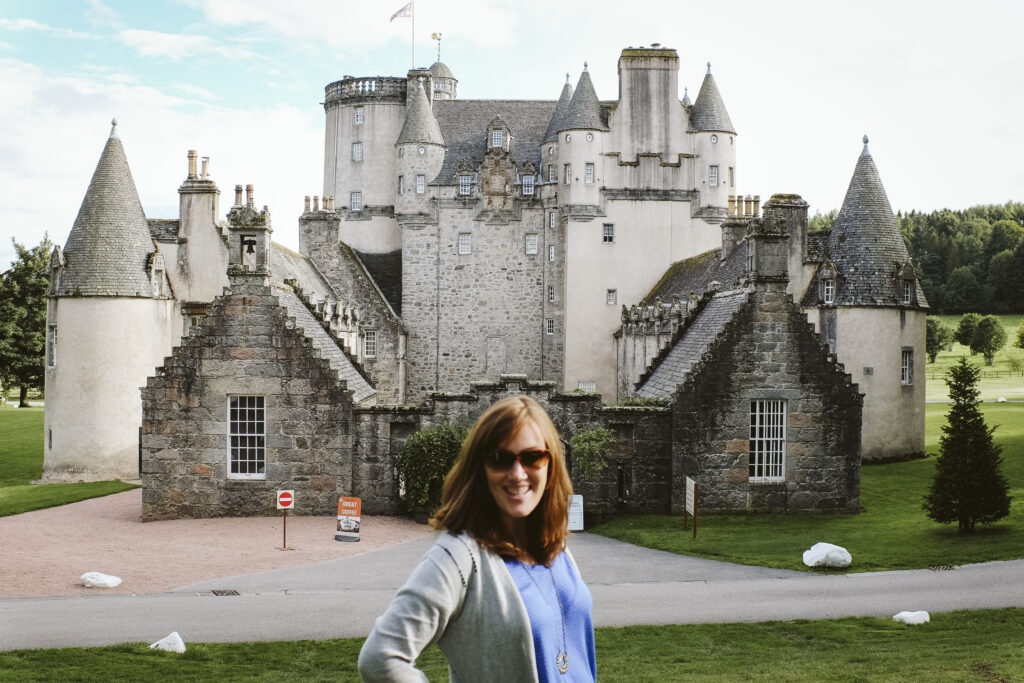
pixel 462 247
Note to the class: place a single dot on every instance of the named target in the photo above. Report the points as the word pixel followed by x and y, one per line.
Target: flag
pixel 406 11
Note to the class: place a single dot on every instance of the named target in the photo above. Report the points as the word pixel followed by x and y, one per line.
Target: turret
pixel 714 146
pixel 549 153
pixel 419 153
pixel 581 167
pixel 445 83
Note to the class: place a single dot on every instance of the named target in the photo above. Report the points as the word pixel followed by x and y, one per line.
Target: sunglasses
pixel 500 459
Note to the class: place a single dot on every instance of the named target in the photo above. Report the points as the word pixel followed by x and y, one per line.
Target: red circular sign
pixel 285 499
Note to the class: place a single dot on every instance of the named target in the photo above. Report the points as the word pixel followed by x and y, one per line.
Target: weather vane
pixel 437 37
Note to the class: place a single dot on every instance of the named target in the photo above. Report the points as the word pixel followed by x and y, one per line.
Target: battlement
pixel 365 89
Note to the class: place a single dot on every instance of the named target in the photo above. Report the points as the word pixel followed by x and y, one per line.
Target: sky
pixel 935 85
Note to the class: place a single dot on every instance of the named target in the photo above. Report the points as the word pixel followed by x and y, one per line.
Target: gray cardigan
pixel 462 597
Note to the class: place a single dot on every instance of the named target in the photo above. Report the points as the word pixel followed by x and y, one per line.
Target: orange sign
pixel 349 517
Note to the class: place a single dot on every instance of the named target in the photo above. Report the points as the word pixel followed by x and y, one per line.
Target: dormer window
pixel 156 275
pixel 496 137
pixel 828 291
pixel 465 184
pixel 527 184
pixel 908 292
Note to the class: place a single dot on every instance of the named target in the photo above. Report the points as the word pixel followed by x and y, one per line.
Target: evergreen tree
pixel 968 487
pixel 23 319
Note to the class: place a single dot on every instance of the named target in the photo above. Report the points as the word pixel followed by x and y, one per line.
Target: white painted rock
pixel 171 643
pixel 827 555
pixel 913 618
pixel 98 580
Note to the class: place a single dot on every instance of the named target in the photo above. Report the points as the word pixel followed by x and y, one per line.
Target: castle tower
pixel 867 301
pixel 445 83
pixel 580 144
pixel 419 153
pixel 549 153
pixel 110 317
pixel 714 148
pixel 649 118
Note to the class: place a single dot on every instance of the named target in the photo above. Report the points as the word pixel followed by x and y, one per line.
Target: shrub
pixel 424 462
pixel 590 449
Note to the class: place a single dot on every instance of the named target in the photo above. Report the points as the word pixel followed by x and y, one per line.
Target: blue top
pixel 537 586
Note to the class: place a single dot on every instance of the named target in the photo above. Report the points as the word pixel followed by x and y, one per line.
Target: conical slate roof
pixel 865 242
pixel 420 123
pixel 584 111
pixel 560 110
pixel 108 250
pixel 708 112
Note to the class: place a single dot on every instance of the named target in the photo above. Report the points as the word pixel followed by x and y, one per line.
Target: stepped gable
pixel 286 264
pixel 865 243
pixel 107 252
pixel 386 271
pixel 695 341
pixel 326 344
pixel 585 111
pixel 420 124
pixel 464 125
pixel 695 274
pixel 561 108
pixel 708 112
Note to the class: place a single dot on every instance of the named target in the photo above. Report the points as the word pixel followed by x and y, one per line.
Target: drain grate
pixel 225 591
pixel 941 568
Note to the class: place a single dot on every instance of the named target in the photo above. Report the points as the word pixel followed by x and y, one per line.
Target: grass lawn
pixel 891 532
pixel 997 379
pixel 983 645
pixel 21 462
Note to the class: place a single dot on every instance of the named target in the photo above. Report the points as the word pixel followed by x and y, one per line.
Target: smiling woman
pixel 499 593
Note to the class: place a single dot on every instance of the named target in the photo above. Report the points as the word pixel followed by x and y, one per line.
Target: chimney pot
pixel 238 195
pixel 316 202
pixel 192 154
pixel 206 168
pixel 305 205
pixel 248 195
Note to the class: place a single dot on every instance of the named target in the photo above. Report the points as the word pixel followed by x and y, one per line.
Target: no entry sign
pixel 285 500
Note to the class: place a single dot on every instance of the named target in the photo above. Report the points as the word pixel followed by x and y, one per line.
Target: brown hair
pixel 466 501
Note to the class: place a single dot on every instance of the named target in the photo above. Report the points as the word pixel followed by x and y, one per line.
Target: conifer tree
pixel 968 487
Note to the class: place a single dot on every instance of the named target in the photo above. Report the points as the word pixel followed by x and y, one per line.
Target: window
pixel 421 184
pixel 608 233
pixel 357 116
pixel 551 174
pixel 713 176
pixel 611 297
pixel 247 427
pixel 907 367
pixel 527 184
pixel 357 151
pixel 767 440
pixel 495 138
pixel 465 243
pixel 587 385
pixel 732 177
pixel 552 218
pixel 551 294
pixel 465 183
pixel 370 344
pixel 588 173
pixel 531 243
pixel 908 291
pixel 401 184
pixel 355 201
pixel 568 173
pixel 551 253
pixel 51 345
pixel 828 291
pixel 549 326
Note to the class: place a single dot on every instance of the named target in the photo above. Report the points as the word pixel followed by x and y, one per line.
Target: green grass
pixel 997 379
pixel 891 532
pixel 21 462
pixel 983 645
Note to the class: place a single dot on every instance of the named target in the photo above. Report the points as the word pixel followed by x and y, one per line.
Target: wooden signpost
pixel 691 504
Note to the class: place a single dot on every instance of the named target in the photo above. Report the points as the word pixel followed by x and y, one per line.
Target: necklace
pixel 561 659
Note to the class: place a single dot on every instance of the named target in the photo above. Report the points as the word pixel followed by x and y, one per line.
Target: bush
pixel 590 451
pixel 424 462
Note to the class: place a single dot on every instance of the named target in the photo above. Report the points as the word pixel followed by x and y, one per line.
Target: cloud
pixel 195 90
pixel 180 46
pixel 33 25
pixel 101 14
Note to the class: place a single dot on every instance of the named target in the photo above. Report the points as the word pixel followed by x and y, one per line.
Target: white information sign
pixel 575 513
pixel 691 495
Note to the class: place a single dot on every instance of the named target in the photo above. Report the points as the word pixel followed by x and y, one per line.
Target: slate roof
pixel 464 126
pixel 585 111
pixel 865 243
pixel 325 344
pixel 697 272
pixel 561 107
pixel 386 271
pixel 708 112
pixel 108 249
pixel 286 264
pixel 420 124
pixel 164 229
pixel 694 342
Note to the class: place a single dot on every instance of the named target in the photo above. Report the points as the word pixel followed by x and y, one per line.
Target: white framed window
pixel 527 184
pixel 732 177
pixel 496 137
pixel 421 184
pixel 401 184
pixel 611 297
pixel 828 291
pixel 908 291
pixel 465 183
pixel 552 219
pixel 370 344
pixel 549 326
pixel 551 253
pixel 355 201
pixel 357 116
pixel 465 243
pixel 568 173
pixel 551 294
pixel 588 386
pixel 907 367
pixel 608 233
pixel 551 174
pixel 247 429
pixel 713 176
pixel 588 173
pixel 357 151
pixel 51 346
pixel 532 243
pixel 767 457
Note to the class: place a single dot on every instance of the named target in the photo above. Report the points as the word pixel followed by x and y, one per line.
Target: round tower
pixel 418 152
pixel 714 147
pixel 581 146
pixel 445 83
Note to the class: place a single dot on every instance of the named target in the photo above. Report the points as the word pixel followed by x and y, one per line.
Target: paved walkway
pixel 631 585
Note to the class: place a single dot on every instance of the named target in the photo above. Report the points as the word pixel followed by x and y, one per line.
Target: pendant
pixel 562 661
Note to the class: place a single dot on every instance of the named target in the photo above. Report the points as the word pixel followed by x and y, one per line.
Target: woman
pixel 499 592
